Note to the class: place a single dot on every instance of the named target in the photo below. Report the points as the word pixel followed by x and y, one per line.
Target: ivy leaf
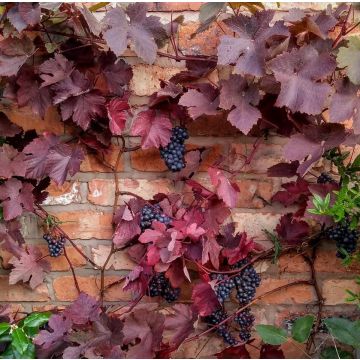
pixel 153 127
pixel 300 73
pixel 202 102
pixel 345 104
pixel 291 230
pixel 55 70
pixel 34 321
pixel 204 299
pixel 118 112
pixel 271 352
pixel 180 324
pixel 302 327
pixel 31 94
pixel 20 341
pixel 29 268
pixel 250 49
pixel 13 54
pixel 234 352
pixel 350 57
pixel 271 334
pixel 16 197
pixel 335 353
pixel 344 330
pixel 241 98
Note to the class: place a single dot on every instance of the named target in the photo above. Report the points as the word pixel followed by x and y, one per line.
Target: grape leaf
pixel 345 104
pixel 16 197
pixel 24 14
pixel 118 111
pixel 7 128
pixel 234 352
pixel 350 57
pixel 92 22
pixel 283 169
pixel 142 31
pixel 271 352
pixel 204 299
pixel 83 309
pixel 30 94
pixel 250 49
pixel 292 231
pixel 300 73
pixel 55 70
pixel 241 250
pixel 11 238
pixel 126 230
pixel 146 328
pixel 180 324
pixel 11 162
pixel 226 190
pixel 29 268
pixel 13 54
pixel 241 98
pixel 198 103
pixel 153 127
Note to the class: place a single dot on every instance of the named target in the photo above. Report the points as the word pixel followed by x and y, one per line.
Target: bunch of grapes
pixel 224 286
pixel 325 178
pixel 173 152
pixel 245 319
pixel 217 317
pixel 345 237
pixel 160 286
pixel 55 244
pixel 150 213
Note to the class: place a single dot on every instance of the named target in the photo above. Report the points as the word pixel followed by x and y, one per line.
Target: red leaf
pixel 292 231
pixel 15 197
pixel 180 324
pixel 296 192
pixel 271 352
pixel 126 229
pixel 11 162
pixel 153 127
pixel 204 299
pixel 241 251
pixel 83 309
pixel 211 251
pixel 7 128
pixel 283 169
pixel 29 268
pixel 118 111
pixel 11 238
pixel 226 190
pixel 234 352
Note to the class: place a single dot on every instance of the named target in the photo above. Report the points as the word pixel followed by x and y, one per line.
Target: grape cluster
pixel 55 244
pixel 245 319
pixel 224 286
pixel 160 286
pixel 345 237
pixel 150 213
pixel 217 317
pixel 325 178
pixel 173 152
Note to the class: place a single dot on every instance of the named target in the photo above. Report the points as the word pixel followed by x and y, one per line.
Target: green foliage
pixel 350 57
pixel 335 353
pixel 271 334
pixel 344 330
pixel 19 336
pixel 277 245
pixel 354 297
pixel 302 328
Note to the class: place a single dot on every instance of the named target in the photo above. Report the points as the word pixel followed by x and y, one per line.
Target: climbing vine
pixel 295 76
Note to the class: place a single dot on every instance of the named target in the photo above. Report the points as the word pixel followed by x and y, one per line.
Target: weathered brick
pixel 146 78
pixel 60 263
pixel 101 192
pixel 266 155
pixel 147 160
pixel 86 224
pixel 92 163
pixel 327 261
pixel 175 6
pixel 119 261
pixel 65 194
pixel 293 263
pixel 334 290
pixel 25 118
pixel 21 292
pixel 65 289
pixel 216 125
pixel 296 294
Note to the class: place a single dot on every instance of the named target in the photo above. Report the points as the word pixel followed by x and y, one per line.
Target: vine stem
pixel 72 271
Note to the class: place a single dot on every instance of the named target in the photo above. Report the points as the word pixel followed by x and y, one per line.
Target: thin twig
pixel 72 271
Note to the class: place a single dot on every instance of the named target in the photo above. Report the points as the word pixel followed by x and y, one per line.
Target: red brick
pixel 65 194
pixel 293 263
pixel 101 192
pixel 175 6
pixel 297 294
pixel 92 163
pixel 147 160
pixel 119 261
pixel 86 224
pixel 21 292
pixel 65 289
pixel 25 118
pixel 334 291
pixel 326 261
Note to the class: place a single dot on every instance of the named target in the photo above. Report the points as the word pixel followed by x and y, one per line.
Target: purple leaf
pixel 11 162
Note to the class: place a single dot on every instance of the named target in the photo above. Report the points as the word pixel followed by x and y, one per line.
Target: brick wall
pixel 84 203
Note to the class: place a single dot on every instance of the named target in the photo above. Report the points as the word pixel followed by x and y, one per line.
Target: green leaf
pixel 4 328
pixel 32 322
pixel 271 334
pixel 331 353
pixel 20 341
pixel 12 353
pixel 302 328
pixel 209 11
pixel 98 6
pixel 277 245
pixel 344 330
pixel 350 57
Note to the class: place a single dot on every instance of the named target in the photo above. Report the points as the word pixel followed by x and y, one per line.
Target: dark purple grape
pixel 150 213
pixel 160 286
pixel 55 245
